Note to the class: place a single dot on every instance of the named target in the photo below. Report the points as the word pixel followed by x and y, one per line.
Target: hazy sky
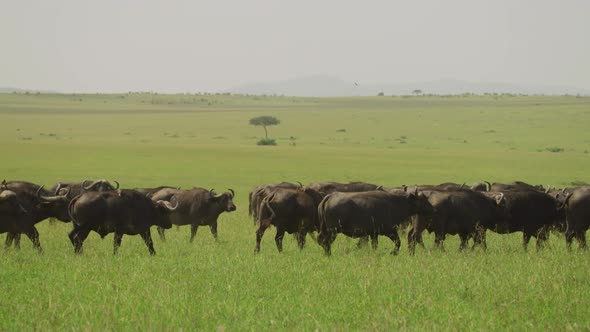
pixel 189 46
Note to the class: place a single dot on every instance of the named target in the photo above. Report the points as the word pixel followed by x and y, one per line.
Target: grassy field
pixel 205 140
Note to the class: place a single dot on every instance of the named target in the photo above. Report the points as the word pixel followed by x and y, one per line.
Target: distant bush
pixel 341 130
pixel 554 149
pixel 266 141
pixel 381 94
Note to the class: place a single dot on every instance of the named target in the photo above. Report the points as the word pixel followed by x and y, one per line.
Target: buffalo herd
pixel 322 210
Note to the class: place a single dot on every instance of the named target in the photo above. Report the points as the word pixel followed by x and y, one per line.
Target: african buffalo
pixel 464 212
pixel 15 219
pixel 257 194
pixel 291 211
pixel 531 212
pixel 40 205
pixel 196 207
pixel 577 210
pixel 120 212
pixel 370 213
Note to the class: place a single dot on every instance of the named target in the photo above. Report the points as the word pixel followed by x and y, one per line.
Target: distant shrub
pixel 266 141
pixel 341 130
pixel 554 149
pixel 381 94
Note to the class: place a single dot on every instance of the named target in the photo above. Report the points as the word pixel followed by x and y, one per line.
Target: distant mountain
pixel 17 90
pixel 329 86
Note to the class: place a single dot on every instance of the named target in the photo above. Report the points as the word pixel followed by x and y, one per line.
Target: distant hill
pixel 17 90
pixel 329 86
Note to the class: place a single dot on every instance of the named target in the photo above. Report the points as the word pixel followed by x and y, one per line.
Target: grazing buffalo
pixel 464 212
pixel 577 210
pixel 531 212
pixel 257 194
pixel 196 207
pixel 370 213
pixel 516 185
pixel 120 212
pixel 40 205
pixel 291 211
pixel 330 187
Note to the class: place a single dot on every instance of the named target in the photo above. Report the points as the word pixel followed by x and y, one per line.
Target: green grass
pixel 205 140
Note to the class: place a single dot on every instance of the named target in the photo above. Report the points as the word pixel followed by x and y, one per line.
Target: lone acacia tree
pixel 265 121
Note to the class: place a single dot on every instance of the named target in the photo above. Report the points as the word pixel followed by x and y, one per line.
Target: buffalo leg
pixel 147 238
pixel 213 228
pixel 193 232
pixel 542 236
pixel 394 237
pixel 9 239
pixel 412 235
pixel 13 238
pixel 326 238
pixel 439 238
pixel 363 241
pixel 374 241
pixel 526 238
pixel 420 241
pixel 464 241
pixel 301 239
pixel 161 232
pixel 262 226
pixel 581 237
pixel 77 237
pixel 34 236
pixel 117 242
pixel 17 241
pixel 480 238
pixel 279 238
pixel 569 237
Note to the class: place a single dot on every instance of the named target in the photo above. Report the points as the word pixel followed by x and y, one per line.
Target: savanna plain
pixel 186 140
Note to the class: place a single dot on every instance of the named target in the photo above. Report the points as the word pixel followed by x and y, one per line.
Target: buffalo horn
pixel 499 198
pixel 117 184
pixel 168 205
pixel 6 194
pixel 300 184
pixel 57 188
pixel 52 198
pixel 233 194
pixel 489 185
pixel 85 187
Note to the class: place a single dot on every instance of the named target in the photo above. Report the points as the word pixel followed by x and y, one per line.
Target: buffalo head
pixel 99 185
pixel 56 205
pixel 224 200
